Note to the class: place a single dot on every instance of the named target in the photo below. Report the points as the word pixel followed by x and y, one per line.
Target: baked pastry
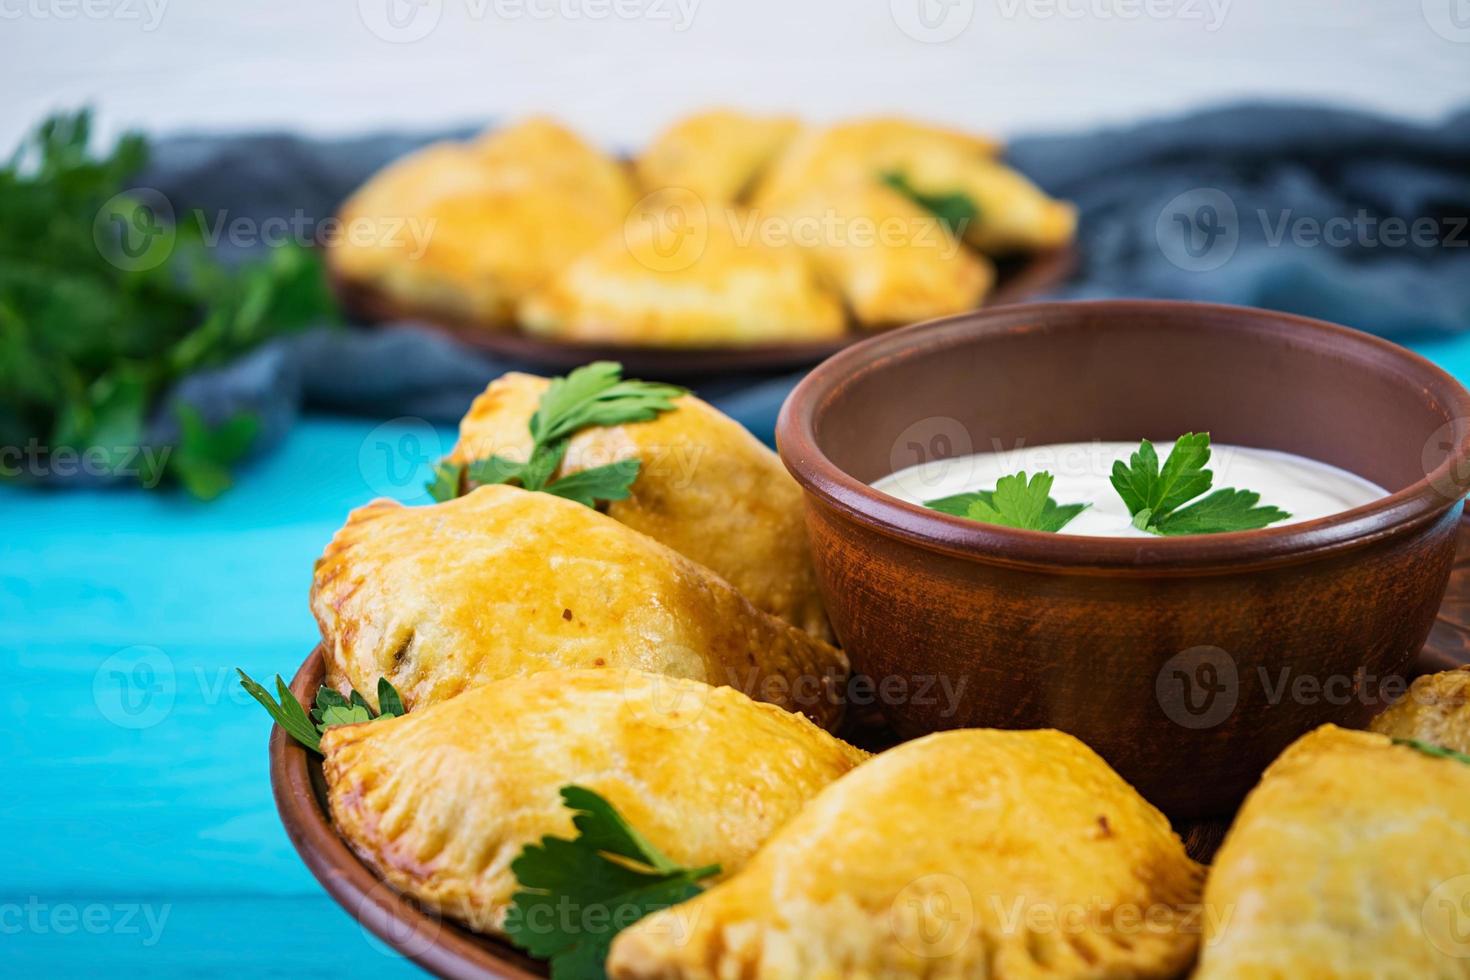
pixel 1351 858
pixel 469 229
pixel 503 581
pixel 543 150
pixel 707 488
pixel 680 274
pixel 973 853
pixel 440 801
pixel 1011 213
pixel 894 262
pixel 1435 710
pixel 715 154
pixel 865 149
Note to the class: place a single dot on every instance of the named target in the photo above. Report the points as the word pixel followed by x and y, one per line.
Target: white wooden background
pixel 619 68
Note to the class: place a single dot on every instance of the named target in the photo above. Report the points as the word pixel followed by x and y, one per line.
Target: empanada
pixel 468 232
pixel 865 149
pixel 715 154
pixel 894 262
pixel 1012 212
pixel 1350 859
pixel 440 801
pixel 681 273
pixel 1436 710
pixel 972 853
pixel 504 581
pixel 546 151
pixel 707 488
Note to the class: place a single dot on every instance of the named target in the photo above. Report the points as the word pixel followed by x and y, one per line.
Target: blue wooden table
pixel 137 832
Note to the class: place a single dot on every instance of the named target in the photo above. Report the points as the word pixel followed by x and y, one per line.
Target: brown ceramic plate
pixel 448 950
pixel 1018 279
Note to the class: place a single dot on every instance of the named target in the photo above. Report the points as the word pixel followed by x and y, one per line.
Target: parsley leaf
pixel 330 709
pixel 1015 502
pixel 201 461
pixel 576 895
pixel 1159 497
pixel 593 395
pixel 106 301
pixel 610 482
pixel 596 394
pixel 1439 751
pixel 1223 510
pixel 957 211
pixel 448 478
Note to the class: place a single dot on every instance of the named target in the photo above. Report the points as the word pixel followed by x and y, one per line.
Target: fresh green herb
pixel 1438 751
pixel 201 461
pixel 1015 502
pixel 593 395
pixel 607 878
pixel 956 210
pixel 105 302
pixel 1159 497
pixel 448 481
pixel 330 709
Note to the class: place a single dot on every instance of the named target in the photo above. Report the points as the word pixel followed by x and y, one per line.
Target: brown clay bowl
pixel 1188 663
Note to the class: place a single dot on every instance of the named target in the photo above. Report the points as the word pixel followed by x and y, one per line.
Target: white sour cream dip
pixel 1304 488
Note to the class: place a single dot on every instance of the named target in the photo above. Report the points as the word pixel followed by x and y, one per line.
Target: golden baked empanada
pixel 864 149
pixel 1012 212
pixel 715 154
pixel 894 262
pixel 1436 710
pixel 440 801
pixel 1350 859
pixel 964 854
pixel 546 151
pixel 462 230
pixel 680 273
pixel 504 581
pixel 707 488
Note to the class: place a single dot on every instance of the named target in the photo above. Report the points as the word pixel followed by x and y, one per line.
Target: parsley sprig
pixel 331 708
pixel 577 894
pixel 1015 502
pixel 1438 751
pixel 957 211
pixel 1159 498
pixel 593 395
